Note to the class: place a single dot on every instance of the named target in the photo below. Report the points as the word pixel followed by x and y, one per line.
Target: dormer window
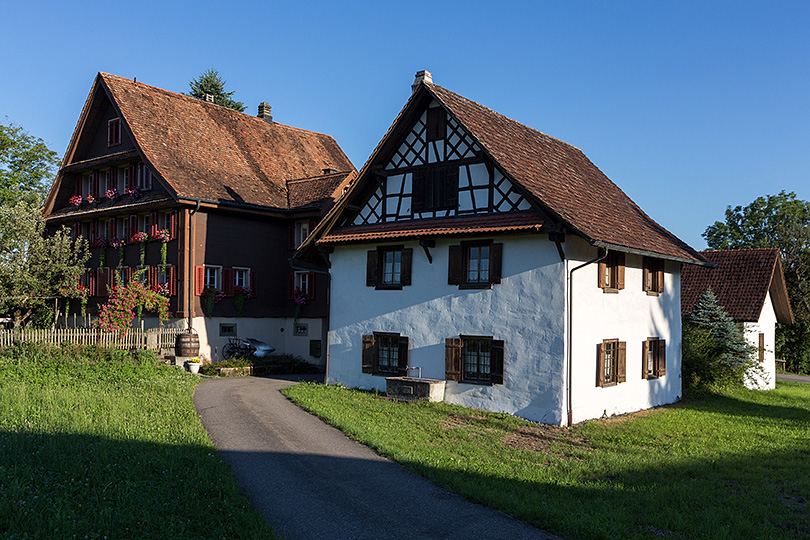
pixel 113 132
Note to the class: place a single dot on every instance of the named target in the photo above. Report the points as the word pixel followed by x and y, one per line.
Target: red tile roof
pixel 741 282
pixel 564 180
pixel 207 151
pixel 315 192
pixel 457 226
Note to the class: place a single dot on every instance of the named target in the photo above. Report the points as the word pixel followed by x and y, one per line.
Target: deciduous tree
pixel 26 166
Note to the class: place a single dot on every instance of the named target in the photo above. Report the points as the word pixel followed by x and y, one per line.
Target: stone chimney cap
pixel 264 112
pixel 421 76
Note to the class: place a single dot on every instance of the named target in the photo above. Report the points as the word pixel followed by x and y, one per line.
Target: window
pixel 436 124
pixel 385 353
pixel 654 358
pixel 113 132
pixel 207 277
pixel 653 280
pixel 144 177
pixel 241 277
pixel 474 359
pixel 123 229
pixel 300 329
pixel 301 231
pixel 227 330
pixel 435 188
pixel 611 272
pixel 302 286
pixel 389 267
pixel 109 182
pixel 475 265
pixel 611 363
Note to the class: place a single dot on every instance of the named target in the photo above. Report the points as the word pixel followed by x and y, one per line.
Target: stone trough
pixel 414 389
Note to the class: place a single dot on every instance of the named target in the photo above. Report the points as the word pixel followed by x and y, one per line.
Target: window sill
pixel 652 293
pixel 477 383
pixel 475 286
pixel 388 287
pixel 610 290
pixel 608 384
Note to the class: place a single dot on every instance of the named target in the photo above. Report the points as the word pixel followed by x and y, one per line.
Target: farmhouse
pixel 476 250
pixel 209 202
pixel 750 285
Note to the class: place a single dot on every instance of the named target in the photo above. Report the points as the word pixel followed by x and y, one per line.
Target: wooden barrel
pixel 187 345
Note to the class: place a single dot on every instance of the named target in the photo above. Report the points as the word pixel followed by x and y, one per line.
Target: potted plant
pixel 194 365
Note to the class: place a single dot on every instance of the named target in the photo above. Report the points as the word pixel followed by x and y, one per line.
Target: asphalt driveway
pixel 791 377
pixel 312 482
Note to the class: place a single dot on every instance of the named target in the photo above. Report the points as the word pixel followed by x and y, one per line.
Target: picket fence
pixel 154 339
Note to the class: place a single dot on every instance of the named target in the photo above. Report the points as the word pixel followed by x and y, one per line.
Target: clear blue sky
pixel 688 106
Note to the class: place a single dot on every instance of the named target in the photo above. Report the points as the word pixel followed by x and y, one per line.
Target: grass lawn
pixel 726 466
pixel 100 444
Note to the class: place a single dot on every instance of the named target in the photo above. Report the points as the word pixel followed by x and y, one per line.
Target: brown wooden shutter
pixel 199 280
pixel 227 281
pixel 601 277
pixel 620 270
pixel 173 224
pixel 368 353
pixel 455 266
pixel 77 186
pixel 660 272
pixel 662 357
pixel 129 272
pixel 152 277
pixel 436 124
pixel 419 191
pixel 402 358
pixel 253 282
pixel 133 227
pixel 311 285
pixel 74 231
pixel 131 175
pixel 621 372
pixel 600 364
pixel 110 229
pixel 94 183
pixel 452 359
pixel 101 282
pixel 645 349
pixel 496 366
pixel 291 287
pixel 495 258
pixel 449 186
pixel 153 224
pixel 372 268
pixel 172 280
pixel 91 282
pixel 405 268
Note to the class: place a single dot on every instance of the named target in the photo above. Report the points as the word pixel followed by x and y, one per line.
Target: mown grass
pixel 735 465
pixel 105 444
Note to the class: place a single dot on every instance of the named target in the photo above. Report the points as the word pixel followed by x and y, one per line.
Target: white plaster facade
pixel 529 311
pixel 764 379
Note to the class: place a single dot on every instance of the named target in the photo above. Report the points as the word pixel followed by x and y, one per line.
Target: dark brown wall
pixel 93 142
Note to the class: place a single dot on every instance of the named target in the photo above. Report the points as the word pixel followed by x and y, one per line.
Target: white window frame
pixel 301 232
pixel 245 273
pixel 217 274
pixel 302 282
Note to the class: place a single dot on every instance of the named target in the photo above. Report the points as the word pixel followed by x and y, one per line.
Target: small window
pixel 653 276
pixel 474 359
pixel 435 187
pixel 611 362
pixel 611 272
pixel 144 178
pixel 300 329
pixel 302 286
pixel 113 132
pixel 213 277
pixel 123 229
pixel 385 353
pixel 436 124
pixel 389 267
pixel 227 330
pixel 653 358
pixel 241 278
pixel 475 265
pixel 301 233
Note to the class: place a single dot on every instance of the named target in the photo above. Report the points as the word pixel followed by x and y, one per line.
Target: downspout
pixel 569 398
pixel 325 346
pixel 192 277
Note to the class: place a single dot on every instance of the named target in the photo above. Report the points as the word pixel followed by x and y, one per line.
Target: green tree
pixel 27 166
pixel 715 353
pixel 776 221
pixel 33 268
pixel 211 83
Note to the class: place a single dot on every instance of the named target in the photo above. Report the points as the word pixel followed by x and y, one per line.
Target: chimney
pixel 421 76
pixel 209 98
pixel 264 112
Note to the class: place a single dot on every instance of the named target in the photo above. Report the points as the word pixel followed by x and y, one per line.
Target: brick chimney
pixel 421 76
pixel 264 112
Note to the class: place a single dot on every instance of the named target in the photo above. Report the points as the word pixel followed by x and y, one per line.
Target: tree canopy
pixel 27 166
pixel 210 82
pixel 33 268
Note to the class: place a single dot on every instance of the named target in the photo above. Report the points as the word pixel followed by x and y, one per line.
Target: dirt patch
pixel 554 440
pixel 455 421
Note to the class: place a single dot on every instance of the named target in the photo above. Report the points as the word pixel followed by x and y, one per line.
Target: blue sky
pixel 688 106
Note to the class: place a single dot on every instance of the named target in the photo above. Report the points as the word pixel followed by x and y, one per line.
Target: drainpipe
pixel 569 398
pixel 193 241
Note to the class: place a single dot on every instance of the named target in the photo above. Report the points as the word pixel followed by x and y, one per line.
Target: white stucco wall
pixel 525 310
pixel 630 315
pixel 766 378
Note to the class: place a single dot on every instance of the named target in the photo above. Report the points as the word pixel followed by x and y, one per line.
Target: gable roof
pixel 741 282
pixel 205 151
pixel 562 183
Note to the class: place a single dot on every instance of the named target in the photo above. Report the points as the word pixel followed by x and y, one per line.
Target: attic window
pixel 113 132
pixel 436 124
pixel 611 272
pixel 435 188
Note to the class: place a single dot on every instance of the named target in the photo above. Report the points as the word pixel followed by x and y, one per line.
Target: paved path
pixel 791 377
pixel 312 482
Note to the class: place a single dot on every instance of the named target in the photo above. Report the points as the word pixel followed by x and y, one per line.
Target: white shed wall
pixel 630 315
pixel 765 379
pixel 526 310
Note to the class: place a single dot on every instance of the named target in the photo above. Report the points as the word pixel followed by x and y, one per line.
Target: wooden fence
pixel 154 339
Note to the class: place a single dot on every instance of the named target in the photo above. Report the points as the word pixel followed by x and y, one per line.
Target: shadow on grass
pixel 739 407
pixel 84 486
